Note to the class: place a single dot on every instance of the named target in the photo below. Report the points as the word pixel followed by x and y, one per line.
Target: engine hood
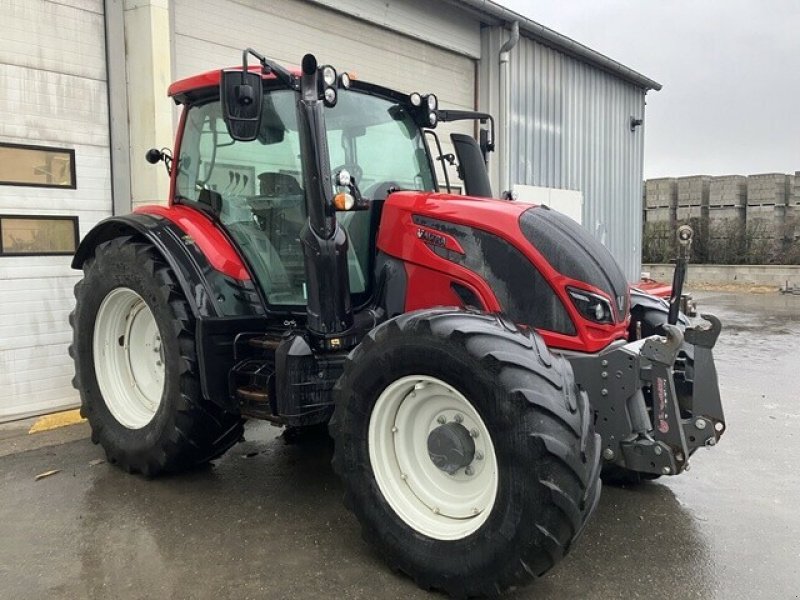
pixel 574 252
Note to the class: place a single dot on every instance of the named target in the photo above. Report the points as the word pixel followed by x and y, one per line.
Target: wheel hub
pixel 450 447
pixel 432 457
pixel 128 358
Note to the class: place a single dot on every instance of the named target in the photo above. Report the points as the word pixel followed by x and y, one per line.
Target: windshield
pixel 378 142
pixel 256 187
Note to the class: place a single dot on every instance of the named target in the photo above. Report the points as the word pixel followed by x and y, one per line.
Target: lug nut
pixel 442 420
pixel 658 450
pixel 474 433
pixel 666 470
pixel 711 442
pixel 468 470
pixel 458 418
pixel 700 423
pixel 608 454
pixel 604 362
pixel 604 374
pixel 478 455
pixel 394 429
pixel 604 392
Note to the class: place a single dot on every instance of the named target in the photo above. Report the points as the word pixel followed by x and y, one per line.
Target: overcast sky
pixel 730 71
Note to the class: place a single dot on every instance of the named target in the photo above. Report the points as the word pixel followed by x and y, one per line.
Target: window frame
pixel 75 228
pixel 72 167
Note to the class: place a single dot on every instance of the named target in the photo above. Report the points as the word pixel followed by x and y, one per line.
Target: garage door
pixel 52 77
pixel 210 34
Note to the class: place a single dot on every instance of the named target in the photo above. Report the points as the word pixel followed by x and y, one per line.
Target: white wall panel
pixel 54 36
pixel 52 77
pixel 433 22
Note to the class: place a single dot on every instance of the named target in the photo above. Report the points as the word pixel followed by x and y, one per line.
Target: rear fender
pixel 209 292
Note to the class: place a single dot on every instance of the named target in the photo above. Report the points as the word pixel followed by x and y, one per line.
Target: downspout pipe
pixel 505 107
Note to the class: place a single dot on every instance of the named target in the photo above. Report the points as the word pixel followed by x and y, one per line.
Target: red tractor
pixel 476 359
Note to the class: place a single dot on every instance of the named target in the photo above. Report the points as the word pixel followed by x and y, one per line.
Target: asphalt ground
pixel 267 521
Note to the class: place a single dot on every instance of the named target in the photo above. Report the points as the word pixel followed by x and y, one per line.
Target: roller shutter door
pixel 53 82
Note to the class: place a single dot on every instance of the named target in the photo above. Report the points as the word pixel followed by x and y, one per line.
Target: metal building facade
pixel 570 128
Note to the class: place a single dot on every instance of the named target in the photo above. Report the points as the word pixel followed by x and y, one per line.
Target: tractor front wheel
pixel 466 451
pixel 136 364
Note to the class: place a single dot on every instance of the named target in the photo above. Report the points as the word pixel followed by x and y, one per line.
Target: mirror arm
pixel 446 116
pixel 268 66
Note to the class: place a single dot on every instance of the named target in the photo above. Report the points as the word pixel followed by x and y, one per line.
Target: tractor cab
pixel 240 158
pixel 256 187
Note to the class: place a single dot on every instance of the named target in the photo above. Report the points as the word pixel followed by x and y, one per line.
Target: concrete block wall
pixel 728 190
pixel 660 215
pixel 694 191
pixel 767 188
pixel 732 216
pixel 765 220
pixel 661 193
pixel 685 213
pixel 737 217
pixel 794 189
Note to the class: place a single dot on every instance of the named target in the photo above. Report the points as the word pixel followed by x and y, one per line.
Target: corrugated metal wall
pixel 570 129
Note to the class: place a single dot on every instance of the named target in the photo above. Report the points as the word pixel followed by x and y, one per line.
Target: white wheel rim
pixel 128 358
pixel 432 502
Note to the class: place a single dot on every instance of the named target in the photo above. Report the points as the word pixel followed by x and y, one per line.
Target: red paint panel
pixel 398 237
pixel 205 233
pixel 655 288
pixel 211 79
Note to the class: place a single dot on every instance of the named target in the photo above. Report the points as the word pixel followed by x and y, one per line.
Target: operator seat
pixel 270 238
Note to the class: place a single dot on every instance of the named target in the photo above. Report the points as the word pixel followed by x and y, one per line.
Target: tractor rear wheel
pixel 136 364
pixel 466 451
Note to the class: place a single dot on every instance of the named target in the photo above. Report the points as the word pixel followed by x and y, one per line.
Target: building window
pixel 37 166
pixel 28 235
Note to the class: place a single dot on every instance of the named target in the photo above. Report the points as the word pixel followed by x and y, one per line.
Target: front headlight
pixel 593 307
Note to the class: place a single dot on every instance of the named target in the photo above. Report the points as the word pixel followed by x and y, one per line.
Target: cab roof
pixel 181 89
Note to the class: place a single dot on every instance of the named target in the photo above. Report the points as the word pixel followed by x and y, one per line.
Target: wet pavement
pixel 266 521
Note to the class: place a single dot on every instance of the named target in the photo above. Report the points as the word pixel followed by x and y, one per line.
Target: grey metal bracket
pixel 667 424
pixel 649 456
pixel 704 337
pixel 663 350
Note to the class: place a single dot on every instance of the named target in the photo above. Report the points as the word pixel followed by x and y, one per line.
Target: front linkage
pixel 656 400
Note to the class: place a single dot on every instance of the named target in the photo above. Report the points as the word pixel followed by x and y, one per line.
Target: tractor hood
pixel 537 266
pixel 575 253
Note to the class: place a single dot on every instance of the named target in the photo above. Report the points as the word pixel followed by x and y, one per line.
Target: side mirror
pixel 241 93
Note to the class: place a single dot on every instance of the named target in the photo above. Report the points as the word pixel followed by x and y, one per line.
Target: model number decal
pixel 431 238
